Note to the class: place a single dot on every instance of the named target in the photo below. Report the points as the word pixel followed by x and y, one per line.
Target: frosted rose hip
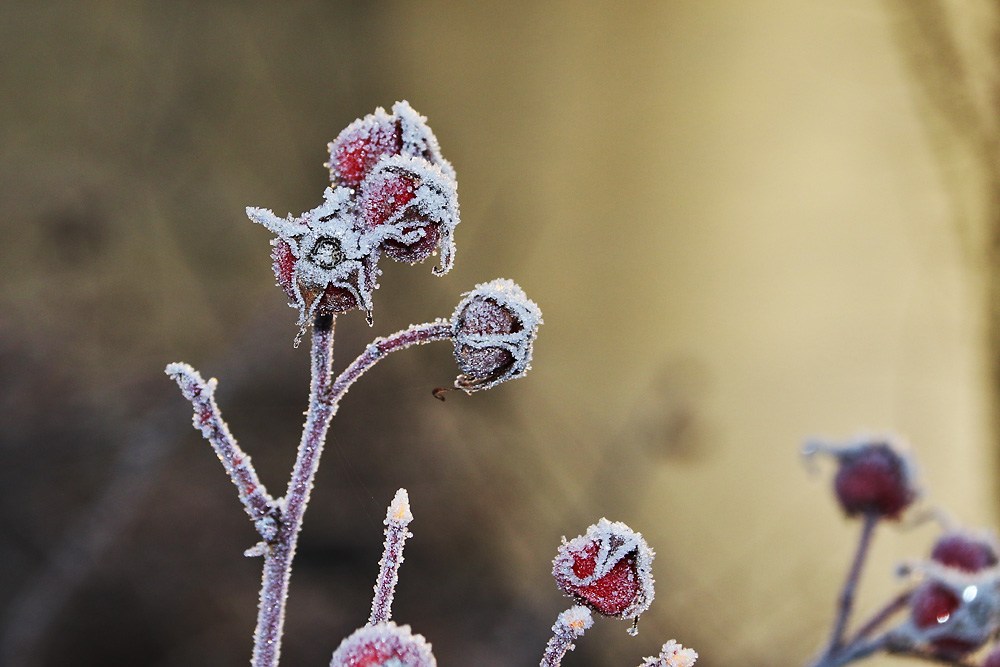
pixel 383 645
pixel 493 330
pixel 609 569
pixel 965 551
pixel 874 477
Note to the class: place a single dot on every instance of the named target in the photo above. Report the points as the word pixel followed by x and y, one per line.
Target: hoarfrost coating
pixel 392 194
pixel 494 327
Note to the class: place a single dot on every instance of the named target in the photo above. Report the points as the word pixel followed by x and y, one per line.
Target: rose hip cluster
pixel 391 194
pixel 953 610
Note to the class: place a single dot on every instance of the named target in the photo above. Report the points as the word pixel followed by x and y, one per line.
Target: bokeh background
pixel 747 223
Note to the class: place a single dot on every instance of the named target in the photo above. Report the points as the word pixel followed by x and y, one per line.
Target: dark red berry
pixel 932 606
pixel 965 552
pixel 493 329
pixel 358 148
pixel 873 479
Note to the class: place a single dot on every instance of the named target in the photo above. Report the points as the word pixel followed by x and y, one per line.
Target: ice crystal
pixel 672 655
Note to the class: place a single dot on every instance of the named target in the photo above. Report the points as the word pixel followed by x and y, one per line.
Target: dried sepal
pixel 672 655
pixel 320 259
pixel 609 569
pixel 383 645
pixel 875 476
pixel 493 329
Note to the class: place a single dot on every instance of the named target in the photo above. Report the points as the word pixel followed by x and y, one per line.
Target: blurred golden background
pixel 746 223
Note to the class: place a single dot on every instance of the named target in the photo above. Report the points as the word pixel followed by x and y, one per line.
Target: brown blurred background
pixel 746 223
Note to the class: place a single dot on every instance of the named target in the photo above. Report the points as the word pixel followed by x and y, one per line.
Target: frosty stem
pixel 279 521
pixel 397 518
pixel 569 625
pixel 208 420
pixel 846 600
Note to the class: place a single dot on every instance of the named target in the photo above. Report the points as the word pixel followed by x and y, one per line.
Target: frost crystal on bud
pixel 383 645
pixel 672 655
pixel 410 207
pixel 392 194
pixel 493 328
pixel 609 570
pixel 874 478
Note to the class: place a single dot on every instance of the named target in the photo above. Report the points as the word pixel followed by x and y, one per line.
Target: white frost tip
pixel 399 509
pixel 672 655
pixel 575 620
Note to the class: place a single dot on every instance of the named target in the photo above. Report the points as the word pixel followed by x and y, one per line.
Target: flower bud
pixel 965 551
pixel 383 645
pixel 410 208
pixel 609 570
pixel 874 477
pixel 493 329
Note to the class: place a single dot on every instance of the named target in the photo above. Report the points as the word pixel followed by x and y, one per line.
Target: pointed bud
pixel 874 477
pixel 609 570
pixel 493 329
pixel 383 645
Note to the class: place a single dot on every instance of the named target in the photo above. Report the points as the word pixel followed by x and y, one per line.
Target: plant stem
pixel 278 557
pixel 324 397
pixel 396 521
pixel 846 601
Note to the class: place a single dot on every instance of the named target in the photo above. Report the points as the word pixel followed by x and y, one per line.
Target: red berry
pixel 356 150
pixel 932 606
pixel 383 645
pixel 873 479
pixel 965 552
pixel 608 570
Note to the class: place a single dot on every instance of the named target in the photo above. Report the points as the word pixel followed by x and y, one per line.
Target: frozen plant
pixel 950 606
pixel 392 194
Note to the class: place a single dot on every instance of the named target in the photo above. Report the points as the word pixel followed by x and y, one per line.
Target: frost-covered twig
pixel 208 420
pixel 397 518
pixel 418 334
pixel 570 625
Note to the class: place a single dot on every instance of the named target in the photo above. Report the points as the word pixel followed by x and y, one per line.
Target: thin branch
pixel 570 625
pixel 846 601
pixel 396 521
pixel 894 606
pixel 207 418
pixel 418 334
pixel 281 550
